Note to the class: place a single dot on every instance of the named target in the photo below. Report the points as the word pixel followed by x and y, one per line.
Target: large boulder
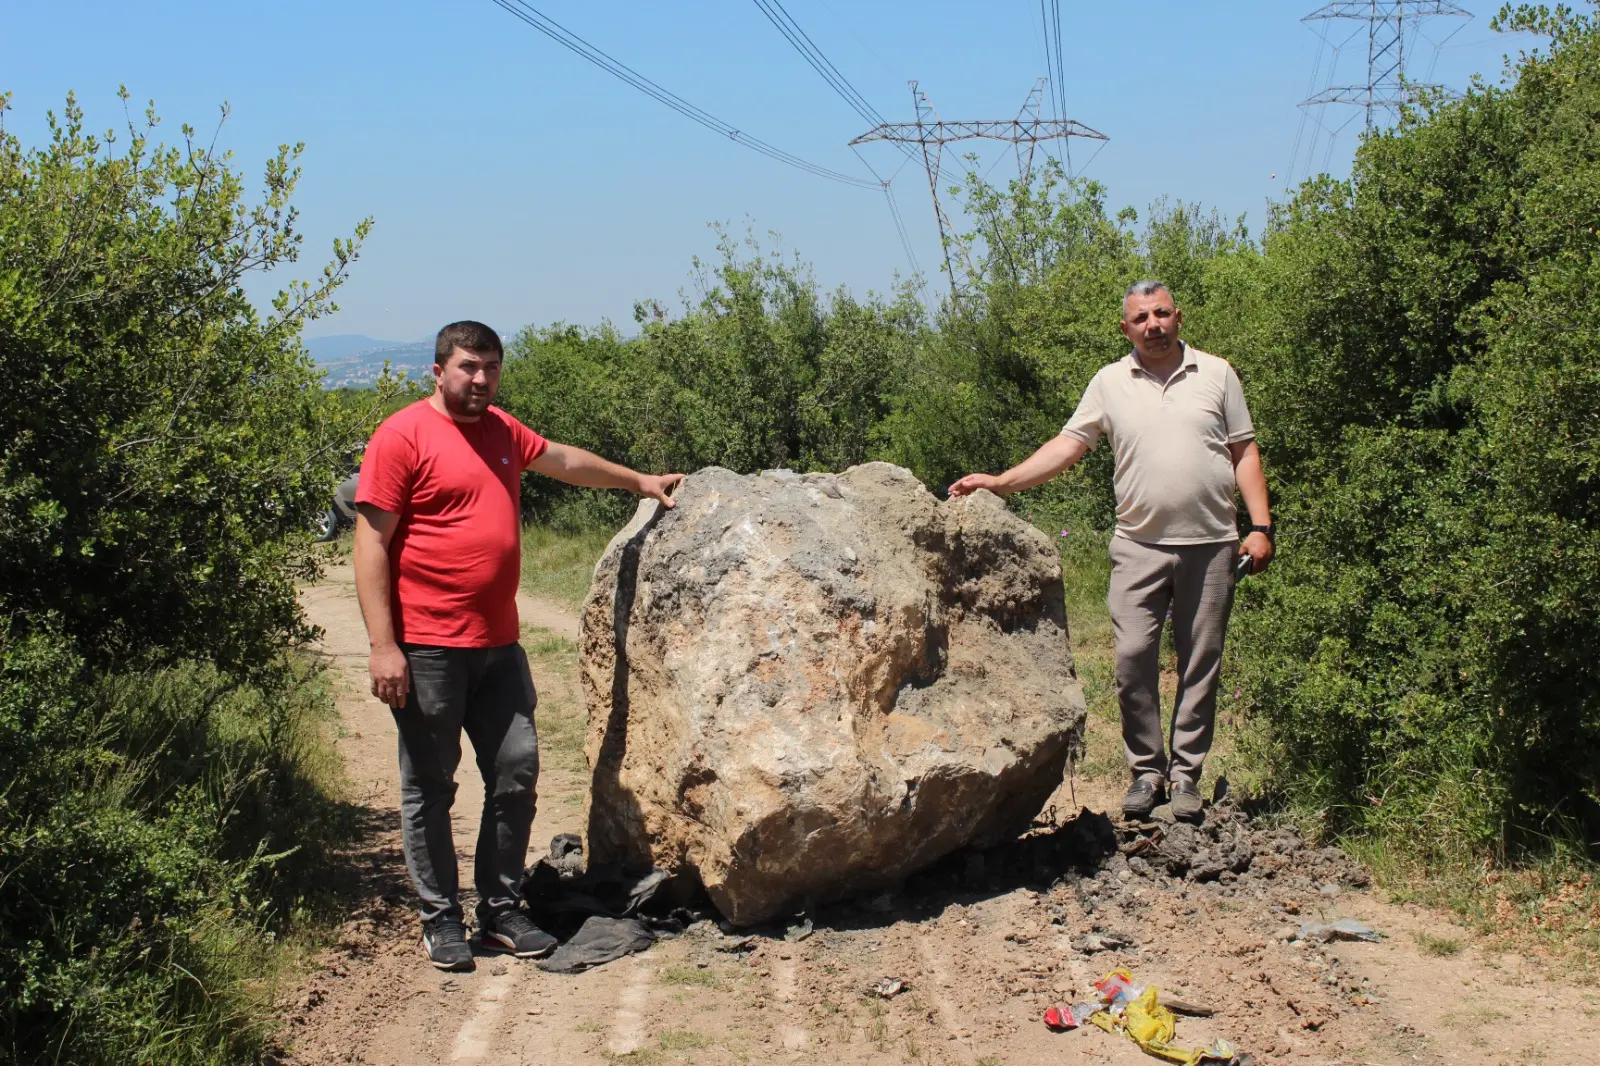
pixel 805 688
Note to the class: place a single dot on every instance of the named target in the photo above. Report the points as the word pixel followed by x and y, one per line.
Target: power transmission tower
pixel 1386 87
pixel 930 134
pixel 1028 116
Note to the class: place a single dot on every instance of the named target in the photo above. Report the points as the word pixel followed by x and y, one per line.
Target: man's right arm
pixel 391 677
pixel 1054 456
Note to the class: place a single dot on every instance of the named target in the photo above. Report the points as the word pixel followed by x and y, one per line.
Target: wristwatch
pixel 1267 529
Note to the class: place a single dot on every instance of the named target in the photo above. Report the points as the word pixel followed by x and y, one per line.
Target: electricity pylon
pixel 1386 87
pixel 930 133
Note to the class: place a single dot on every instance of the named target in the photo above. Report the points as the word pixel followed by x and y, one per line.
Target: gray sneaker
pixel 445 941
pixel 514 931
pixel 1187 806
pixel 1141 799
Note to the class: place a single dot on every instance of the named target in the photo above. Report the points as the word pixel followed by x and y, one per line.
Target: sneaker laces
pixel 514 923
pixel 443 931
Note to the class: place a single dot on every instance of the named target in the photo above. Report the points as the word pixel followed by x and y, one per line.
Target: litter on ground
pixel 1136 1011
pixel 1343 929
pixel 1062 1017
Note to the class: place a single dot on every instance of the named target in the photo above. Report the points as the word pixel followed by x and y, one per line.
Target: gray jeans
pixel 489 693
pixel 1195 582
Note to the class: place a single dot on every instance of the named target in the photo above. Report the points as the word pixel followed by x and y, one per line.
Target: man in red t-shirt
pixel 437 558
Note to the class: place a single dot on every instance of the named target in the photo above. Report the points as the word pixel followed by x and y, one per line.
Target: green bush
pixel 170 804
pixel 763 371
pixel 162 445
pixel 1427 380
pixel 156 829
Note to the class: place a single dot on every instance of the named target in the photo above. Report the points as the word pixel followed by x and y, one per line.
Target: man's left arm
pixel 1252 481
pixel 578 467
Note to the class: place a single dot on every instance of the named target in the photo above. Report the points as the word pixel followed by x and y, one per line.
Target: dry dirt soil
pixel 981 954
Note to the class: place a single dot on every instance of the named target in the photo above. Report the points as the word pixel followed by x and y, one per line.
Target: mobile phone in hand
pixel 1244 567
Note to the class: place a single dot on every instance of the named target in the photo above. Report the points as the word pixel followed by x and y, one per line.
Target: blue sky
pixel 511 181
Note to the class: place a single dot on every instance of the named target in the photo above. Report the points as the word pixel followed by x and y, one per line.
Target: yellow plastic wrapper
pixel 1148 1022
pixel 1153 1027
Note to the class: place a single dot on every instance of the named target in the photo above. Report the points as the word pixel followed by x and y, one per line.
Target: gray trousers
pixel 1195 582
pixel 489 693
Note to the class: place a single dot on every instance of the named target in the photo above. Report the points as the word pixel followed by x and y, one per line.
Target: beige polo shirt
pixel 1173 474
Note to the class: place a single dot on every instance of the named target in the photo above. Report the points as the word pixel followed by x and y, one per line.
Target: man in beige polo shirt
pixel 1182 442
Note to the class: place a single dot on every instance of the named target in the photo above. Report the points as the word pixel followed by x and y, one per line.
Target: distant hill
pixel 355 360
pixel 343 345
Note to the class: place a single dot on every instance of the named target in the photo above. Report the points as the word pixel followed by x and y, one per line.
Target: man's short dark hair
pixel 473 336
pixel 1147 287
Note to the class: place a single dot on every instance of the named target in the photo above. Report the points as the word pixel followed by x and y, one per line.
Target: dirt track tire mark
pixel 949 1014
pixel 628 1029
pixel 472 1042
pixel 785 988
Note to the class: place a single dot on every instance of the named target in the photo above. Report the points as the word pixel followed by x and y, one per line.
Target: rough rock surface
pixel 805 688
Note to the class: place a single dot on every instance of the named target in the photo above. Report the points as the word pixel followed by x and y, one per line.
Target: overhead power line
pixel 617 69
pixel 1060 77
pixel 779 16
pixel 1055 67
pixel 801 41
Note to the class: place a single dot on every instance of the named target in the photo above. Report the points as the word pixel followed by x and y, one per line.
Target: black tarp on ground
pixel 597 913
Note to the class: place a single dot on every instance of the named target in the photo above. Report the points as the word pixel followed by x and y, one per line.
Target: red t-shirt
pixel 456 556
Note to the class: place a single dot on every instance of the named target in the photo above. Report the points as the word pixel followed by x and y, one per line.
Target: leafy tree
pixel 761 371
pixel 1428 383
pixel 163 449
pixel 162 442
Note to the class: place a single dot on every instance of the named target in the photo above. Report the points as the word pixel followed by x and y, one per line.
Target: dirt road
pixel 980 961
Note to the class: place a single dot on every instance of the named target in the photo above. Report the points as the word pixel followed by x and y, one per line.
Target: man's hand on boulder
pixel 972 483
pixel 1259 547
pixel 659 487
pixel 391 676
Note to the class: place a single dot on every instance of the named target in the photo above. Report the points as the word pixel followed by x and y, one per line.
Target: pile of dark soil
pixel 1232 853
pixel 1231 849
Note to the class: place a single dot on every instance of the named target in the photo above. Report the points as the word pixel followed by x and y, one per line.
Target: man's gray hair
pixel 1147 287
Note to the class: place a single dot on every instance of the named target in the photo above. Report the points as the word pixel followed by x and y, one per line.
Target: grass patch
pixel 1442 946
pixel 561 717
pixel 557 565
pixel 877 1023
pixel 541 643
pixel 1085 577
pixel 204 815
pixel 690 975
pixel 682 1040
pixel 561 729
pixel 1547 905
